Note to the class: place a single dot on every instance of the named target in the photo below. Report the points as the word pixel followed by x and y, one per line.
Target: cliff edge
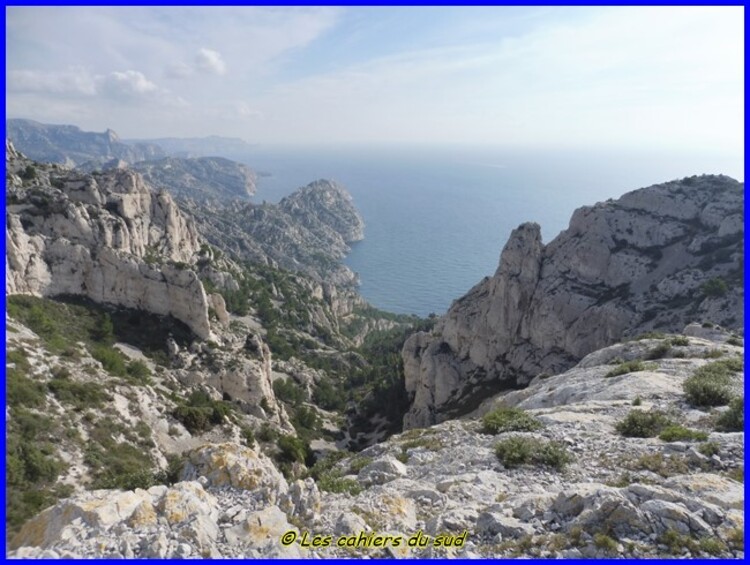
pixel 657 258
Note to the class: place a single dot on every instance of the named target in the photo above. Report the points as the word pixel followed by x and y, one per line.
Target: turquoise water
pixel 437 219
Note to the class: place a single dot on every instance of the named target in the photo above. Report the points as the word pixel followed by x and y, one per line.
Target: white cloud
pixel 245 110
pixel 76 81
pixel 127 84
pixel 210 61
pixel 178 71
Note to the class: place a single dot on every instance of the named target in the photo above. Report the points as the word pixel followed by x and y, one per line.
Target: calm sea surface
pixel 437 219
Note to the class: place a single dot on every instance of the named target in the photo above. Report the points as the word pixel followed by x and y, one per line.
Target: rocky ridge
pixel 200 178
pixel 308 231
pixel 104 236
pixel 617 496
pixel 656 258
pixel 69 146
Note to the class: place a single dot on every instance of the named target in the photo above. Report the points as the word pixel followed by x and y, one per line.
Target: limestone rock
pixel 621 268
pixel 230 464
pixel 107 237
pixel 302 500
pixel 382 471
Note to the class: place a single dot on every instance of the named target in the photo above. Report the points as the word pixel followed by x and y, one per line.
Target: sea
pixel 437 218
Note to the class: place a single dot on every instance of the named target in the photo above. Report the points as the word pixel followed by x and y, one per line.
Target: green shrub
pixel 22 391
pixel 643 424
pixel 712 546
pixel 629 367
pixel 709 384
pixel 714 287
pixel 509 420
pixel 201 412
pixel 519 450
pixel 247 435
pixel 78 395
pixel 29 173
pixel 679 341
pixel 709 448
pixel 733 419
pixel 305 419
pixel 328 396
pixel 637 401
pixel 267 433
pixel 293 449
pixel 111 359
pixel 605 543
pixel 713 354
pixel 171 474
pixel 195 419
pixel 139 372
pixel 735 341
pixel 677 542
pixel 659 351
pixel 736 539
pixel 289 391
pixel 661 465
pixel 116 465
pixel 680 433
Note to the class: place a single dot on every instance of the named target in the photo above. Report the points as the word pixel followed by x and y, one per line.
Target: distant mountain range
pixel 211 146
pixel 68 145
pixel 180 166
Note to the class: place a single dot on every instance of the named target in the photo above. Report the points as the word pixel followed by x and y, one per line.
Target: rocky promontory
pixel 308 231
pixel 657 258
pixel 105 236
pixel 200 178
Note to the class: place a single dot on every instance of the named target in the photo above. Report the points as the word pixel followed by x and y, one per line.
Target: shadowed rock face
pixel 622 267
pixel 104 236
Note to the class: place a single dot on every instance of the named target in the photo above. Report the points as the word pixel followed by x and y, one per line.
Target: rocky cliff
pixel 105 236
pixel 308 231
pixel 68 145
pixel 656 258
pixel 201 178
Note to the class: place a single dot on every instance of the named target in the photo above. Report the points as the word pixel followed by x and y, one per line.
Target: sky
pixel 615 77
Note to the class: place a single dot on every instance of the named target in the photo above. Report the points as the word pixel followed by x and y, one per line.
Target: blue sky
pixel 662 77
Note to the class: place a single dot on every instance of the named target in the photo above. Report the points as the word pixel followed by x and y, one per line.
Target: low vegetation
pixel 715 287
pixel 629 367
pixel 680 433
pixel 660 464
pixel 330 478
pixel 32 465
pixel 710 384
pixel 519 450
pixel 509 420
pixel 733 419
pixel 643 424
pixel 64 322
pixel 199 413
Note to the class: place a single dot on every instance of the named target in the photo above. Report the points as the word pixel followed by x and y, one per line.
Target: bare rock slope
pixel 657 258
pixel 590 490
